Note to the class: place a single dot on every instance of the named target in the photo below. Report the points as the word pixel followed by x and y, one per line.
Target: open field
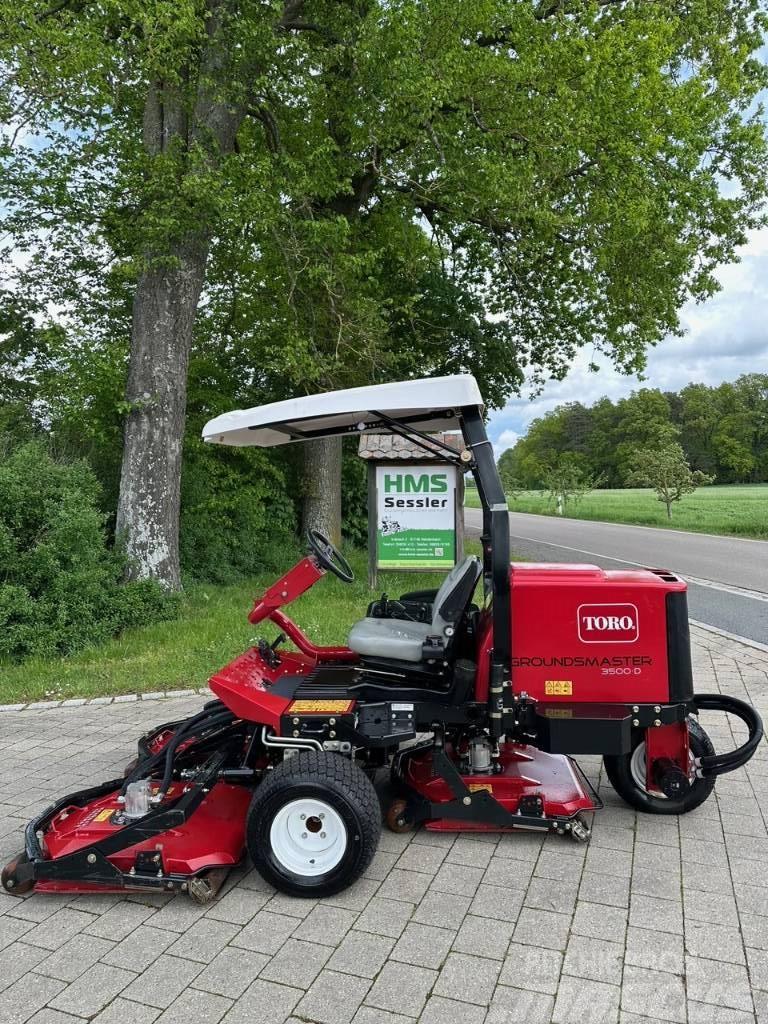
pixel 738 510
pixel 211 629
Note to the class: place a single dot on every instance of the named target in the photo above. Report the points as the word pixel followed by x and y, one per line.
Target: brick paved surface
pixel 657 919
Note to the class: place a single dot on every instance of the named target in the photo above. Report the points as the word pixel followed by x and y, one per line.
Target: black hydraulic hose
pixel 711 765
pixel 148 765
pixel 143 768
pixel 205 724
pixel 217 719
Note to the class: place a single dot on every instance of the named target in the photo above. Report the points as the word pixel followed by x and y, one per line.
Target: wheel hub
pixel 308 837
pixel 637 767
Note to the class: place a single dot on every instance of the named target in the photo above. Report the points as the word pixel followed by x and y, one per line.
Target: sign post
pixel 415 508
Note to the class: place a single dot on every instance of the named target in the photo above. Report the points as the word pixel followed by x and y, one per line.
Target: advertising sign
pixel 415 516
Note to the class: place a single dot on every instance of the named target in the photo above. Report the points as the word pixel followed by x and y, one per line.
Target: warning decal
pixel 320 707
pixel 558 687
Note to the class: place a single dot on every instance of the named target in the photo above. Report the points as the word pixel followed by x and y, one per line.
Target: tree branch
pixel 581 170
pixel 58 8
pixel 291 12
pixel 262 113
pixel 503 36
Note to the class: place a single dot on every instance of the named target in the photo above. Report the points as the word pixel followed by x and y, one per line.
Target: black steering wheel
pixel 329 557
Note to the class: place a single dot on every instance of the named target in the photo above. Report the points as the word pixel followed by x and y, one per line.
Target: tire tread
pixel 343 775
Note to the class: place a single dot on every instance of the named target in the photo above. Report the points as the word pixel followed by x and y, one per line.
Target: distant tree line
pixel 723 432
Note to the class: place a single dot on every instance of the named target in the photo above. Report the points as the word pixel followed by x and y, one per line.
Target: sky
pixel 725 337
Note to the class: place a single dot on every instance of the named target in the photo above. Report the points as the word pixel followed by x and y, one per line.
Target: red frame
pixel 213 837
pixel 545 600
pixel 288 588
pixel 666 741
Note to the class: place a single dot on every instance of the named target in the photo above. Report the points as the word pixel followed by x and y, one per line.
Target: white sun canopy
pixel 430 404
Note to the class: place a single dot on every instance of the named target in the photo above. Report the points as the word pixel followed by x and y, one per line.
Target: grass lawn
pixel 211 629
pixel 736 509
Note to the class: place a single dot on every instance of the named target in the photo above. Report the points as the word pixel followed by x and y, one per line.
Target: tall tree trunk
pixel 164 308
pixel 322 487
pixel 148 509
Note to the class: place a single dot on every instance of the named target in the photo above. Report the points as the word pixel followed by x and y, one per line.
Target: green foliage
pixel 506 468
pixel 24 349
pixel 568 481
pixel 555 165
pixel 234 516
pixel 665 469
pixel 354 496
pixel 60 586
pixel 723 431
pixel 406 188
pixel 236 519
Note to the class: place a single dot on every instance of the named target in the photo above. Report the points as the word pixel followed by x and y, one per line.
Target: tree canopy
pixel 565 159
pixel 723 431
pixel 353 191
pixel 665 469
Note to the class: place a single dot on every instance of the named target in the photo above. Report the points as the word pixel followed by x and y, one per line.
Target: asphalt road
pixel 727 577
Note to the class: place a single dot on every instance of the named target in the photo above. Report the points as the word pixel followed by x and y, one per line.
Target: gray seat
pixel 403 640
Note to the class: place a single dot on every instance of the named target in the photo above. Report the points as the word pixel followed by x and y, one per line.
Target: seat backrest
pixel 455 593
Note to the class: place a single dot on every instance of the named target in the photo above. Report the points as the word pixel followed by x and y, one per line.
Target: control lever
pixel 268 651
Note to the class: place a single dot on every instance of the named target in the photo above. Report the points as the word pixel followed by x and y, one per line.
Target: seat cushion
pixel 389 638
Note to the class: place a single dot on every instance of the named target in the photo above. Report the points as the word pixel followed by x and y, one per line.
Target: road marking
pixel 629 526
pixel 753 595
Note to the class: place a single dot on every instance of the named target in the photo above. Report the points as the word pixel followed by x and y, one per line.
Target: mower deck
pixel 526 788
pixel 214 837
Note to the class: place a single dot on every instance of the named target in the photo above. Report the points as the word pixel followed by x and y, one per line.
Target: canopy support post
pixel 495 559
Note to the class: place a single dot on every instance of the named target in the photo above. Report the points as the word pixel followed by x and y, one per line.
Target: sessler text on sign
pixel 415 516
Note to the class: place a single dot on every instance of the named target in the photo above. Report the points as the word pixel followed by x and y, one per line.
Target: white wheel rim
pixel 637 768
pixel 308 837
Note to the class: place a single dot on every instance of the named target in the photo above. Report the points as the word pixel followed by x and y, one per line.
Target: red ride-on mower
pixel 476 711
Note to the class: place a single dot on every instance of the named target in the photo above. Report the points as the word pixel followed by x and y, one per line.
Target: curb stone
pixel 730 636
pixel 124 698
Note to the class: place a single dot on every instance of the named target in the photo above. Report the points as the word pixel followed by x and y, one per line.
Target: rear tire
pixel 314 824
pixel 625 772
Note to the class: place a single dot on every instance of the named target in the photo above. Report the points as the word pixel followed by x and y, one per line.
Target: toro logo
pixel 607 623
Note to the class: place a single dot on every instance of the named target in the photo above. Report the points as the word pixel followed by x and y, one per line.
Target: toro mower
pixel 475 705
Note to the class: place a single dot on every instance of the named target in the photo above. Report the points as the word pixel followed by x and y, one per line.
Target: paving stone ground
pixel 658 919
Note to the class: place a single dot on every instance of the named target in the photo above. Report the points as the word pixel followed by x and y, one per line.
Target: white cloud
pixel 725 337
pixel 506 439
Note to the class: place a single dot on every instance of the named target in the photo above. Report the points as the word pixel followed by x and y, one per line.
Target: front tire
pixel 314 824
pixel 626 773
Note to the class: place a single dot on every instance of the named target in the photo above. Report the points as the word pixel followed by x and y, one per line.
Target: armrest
pixel 419 595
pixel 411 611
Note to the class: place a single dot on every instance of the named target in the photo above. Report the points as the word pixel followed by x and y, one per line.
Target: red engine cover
pixel 585 634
